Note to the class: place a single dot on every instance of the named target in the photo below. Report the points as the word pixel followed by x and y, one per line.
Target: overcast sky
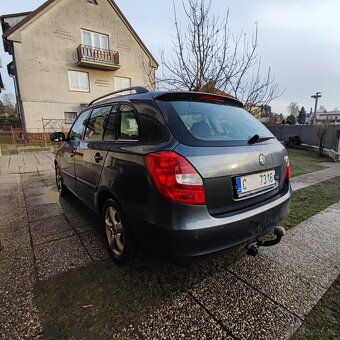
pixel 299 40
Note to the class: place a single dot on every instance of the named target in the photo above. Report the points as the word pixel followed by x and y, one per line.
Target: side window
pixel 95 126
pixel 128 124
pixel 111 124
pixel 78 128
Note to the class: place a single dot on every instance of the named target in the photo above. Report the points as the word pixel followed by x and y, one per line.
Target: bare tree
pixel 293 109
pixel 206 55
pixel 321 129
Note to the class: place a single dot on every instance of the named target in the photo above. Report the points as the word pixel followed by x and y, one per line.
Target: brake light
pixel 175 178
pixel 287 169
pixel 211 98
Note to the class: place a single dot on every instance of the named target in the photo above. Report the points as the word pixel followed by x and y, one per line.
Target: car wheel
pixel 59 182
pixel 117 234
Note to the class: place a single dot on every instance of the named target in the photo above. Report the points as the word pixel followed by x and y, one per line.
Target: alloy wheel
pixel 114 231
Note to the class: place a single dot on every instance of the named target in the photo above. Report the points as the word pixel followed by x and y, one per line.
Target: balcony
pixel 89 56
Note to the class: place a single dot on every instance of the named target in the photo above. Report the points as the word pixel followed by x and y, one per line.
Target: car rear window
pixel 209 123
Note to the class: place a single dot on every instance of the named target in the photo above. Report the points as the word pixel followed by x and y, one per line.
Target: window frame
pixel 117 77
pixel 104 123
pixel 68 122
pixel 92 39
pixel 78 90
pixel 135 115
pixel 78 117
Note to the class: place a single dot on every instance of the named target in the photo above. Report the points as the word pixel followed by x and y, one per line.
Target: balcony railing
pixel 90 56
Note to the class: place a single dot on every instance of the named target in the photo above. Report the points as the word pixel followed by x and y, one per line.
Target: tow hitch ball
pixel 252 248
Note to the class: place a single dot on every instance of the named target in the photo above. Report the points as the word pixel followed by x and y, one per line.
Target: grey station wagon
pixel 181 173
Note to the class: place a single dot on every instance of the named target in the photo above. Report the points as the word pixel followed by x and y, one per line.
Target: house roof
pixel 32 14
pixel 210 88
pixel 330 113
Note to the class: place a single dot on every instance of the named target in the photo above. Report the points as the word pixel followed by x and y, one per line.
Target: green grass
pixel 304 161
pixel 311 200
pixel 323 321
pixel 114 296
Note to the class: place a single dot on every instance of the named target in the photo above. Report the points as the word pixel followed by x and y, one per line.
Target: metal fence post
pixel 13 135
pixel 43 125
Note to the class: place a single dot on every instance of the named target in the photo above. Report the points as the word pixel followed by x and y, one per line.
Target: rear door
pixel 68 151
pixel 91 153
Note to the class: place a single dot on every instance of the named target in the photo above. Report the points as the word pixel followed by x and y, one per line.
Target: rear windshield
pixel 206 123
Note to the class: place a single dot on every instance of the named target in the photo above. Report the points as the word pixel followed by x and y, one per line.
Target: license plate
pixel 251 184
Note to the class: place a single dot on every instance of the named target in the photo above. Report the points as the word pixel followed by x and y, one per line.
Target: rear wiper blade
pixel 258 139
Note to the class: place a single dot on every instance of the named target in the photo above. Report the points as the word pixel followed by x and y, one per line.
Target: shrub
pixel 293 141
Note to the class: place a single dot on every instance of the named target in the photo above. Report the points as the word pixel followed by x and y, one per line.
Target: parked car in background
pixel 181 173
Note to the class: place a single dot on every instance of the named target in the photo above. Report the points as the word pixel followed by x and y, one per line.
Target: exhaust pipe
pixel 252 248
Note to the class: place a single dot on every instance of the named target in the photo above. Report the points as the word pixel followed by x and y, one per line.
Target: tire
pixel 117 233
pixel 59 182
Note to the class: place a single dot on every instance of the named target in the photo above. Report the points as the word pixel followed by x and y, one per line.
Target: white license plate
pixel 254 183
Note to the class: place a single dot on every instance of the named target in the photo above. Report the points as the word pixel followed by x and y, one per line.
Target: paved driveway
pixel 264 297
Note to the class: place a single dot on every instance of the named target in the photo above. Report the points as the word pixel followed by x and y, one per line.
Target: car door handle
pixel 98 157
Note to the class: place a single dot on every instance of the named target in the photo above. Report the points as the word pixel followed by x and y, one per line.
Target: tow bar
pixel 252 248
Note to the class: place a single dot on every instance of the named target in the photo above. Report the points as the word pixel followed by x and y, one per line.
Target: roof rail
pixel 138 89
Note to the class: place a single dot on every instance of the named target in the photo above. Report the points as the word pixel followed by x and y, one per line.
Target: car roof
pixel 153 95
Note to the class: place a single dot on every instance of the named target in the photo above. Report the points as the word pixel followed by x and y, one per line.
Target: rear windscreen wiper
pixel 258 139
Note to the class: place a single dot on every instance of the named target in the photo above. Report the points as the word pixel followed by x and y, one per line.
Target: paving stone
pixel 182 319
pixel 40 212
pixel 49 197
pixel 10 179
pixel 36 191
pixel 15 236
pixel 290 290
pixel 323 240
pixel 245 312
pixel 302 261
pixel 50 229
pixel 94 245
pixel 59 256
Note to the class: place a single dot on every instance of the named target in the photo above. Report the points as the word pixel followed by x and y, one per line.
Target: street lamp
pixel 316 96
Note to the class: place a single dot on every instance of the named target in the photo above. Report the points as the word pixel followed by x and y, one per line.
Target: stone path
pixel 263 297
pixel 331 170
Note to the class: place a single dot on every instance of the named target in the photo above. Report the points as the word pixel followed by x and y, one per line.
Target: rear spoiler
pixel 199 96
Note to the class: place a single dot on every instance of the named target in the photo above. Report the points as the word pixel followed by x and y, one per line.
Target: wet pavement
pixel 265 297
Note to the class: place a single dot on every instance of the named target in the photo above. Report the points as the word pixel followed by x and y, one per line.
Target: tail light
pixel 175 178
pixel 287 169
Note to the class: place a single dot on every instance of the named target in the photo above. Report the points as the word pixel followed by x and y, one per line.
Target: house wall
pixel 46 49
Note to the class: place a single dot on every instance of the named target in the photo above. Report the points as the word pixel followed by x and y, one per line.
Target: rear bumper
pixel 217 234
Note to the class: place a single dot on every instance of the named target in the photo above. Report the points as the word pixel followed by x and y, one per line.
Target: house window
pixel 70 117
pixel 122 83
pixel 96 40
pixel 92 2
pixel 79 81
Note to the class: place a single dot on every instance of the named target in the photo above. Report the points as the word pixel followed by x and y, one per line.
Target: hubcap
pixel 58 180
pixel 114 231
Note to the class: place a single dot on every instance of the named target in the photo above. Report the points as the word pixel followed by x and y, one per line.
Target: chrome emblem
pixel 262 160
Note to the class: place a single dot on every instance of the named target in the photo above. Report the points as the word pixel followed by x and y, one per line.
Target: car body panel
pixel 178 229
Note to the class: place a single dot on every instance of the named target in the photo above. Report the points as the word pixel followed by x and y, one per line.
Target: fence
pixel 308 134
pixel 33 136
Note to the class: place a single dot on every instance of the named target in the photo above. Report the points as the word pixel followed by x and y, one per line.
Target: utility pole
pixel 316 96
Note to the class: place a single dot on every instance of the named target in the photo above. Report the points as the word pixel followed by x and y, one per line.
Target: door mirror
pixel 57 137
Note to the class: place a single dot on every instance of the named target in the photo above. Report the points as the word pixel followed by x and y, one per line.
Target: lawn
pixel 304 161
pixel 98 300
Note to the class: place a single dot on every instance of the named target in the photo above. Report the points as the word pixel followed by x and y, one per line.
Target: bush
pixel 293 141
